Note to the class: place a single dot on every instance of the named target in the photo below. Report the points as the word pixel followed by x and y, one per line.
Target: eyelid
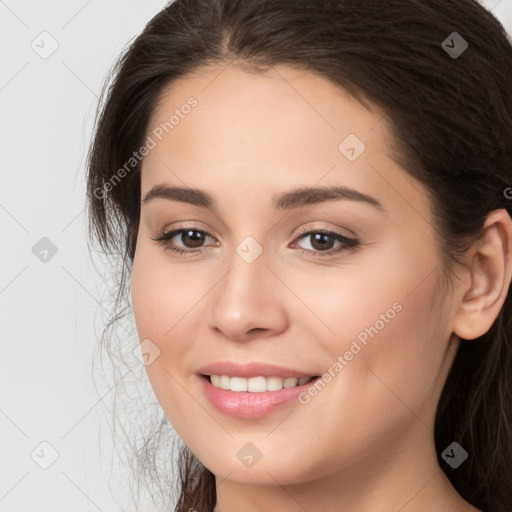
pixel 309 228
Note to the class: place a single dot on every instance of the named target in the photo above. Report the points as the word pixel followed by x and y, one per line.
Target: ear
pixel 488 281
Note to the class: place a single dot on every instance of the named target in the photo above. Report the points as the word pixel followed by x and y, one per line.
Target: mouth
pixel 254 397
pixel 252 390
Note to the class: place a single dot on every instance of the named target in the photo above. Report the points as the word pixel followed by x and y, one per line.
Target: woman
pixel 311 202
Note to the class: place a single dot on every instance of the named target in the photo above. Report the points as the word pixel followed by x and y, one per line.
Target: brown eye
pixel 184 240
pixel 192 238
pixel 322 242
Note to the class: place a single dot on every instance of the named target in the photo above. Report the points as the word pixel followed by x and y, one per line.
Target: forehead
pixel 255 132
pixel 297 106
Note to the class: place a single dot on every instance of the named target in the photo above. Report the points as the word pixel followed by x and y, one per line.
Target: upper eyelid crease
pixel 296 198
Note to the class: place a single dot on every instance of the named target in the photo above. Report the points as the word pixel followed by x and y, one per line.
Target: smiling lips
pixel 251 390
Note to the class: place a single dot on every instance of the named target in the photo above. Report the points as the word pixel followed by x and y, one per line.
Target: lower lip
pixel 242 404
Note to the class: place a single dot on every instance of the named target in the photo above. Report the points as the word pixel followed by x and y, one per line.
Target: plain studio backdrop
pixel 56 451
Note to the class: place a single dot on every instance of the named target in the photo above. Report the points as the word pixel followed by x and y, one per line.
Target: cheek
pixel 162 293
pixel 167 307
pixel 391 337
pixel 387 326
pixel 391 348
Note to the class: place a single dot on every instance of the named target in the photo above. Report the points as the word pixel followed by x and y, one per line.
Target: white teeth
pixel 238 384
pixel 224 382
pixel 256 384
pixel 290 383
pixel 274 383
pixel 216 381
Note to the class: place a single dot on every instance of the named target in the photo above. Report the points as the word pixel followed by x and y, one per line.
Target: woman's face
pixel 262 285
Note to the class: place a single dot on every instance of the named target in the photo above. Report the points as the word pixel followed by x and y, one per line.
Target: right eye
pixel 188 235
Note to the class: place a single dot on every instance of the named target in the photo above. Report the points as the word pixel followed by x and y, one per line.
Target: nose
pixel 248 302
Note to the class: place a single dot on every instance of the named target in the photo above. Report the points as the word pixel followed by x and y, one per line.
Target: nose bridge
pixel 247 277
pixel 246 298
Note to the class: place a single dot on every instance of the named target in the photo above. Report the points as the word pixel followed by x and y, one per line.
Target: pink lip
pixel 242 404
pixel 248 370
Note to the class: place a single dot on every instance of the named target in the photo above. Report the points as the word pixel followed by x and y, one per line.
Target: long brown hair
pixel 451 117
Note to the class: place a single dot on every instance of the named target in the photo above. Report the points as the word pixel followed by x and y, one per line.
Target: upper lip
pixel 252 369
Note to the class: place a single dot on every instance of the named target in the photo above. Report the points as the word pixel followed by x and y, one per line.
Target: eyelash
pixel 350 244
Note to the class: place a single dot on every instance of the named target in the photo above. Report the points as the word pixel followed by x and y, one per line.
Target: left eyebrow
pixel 297 198
pixel 305 196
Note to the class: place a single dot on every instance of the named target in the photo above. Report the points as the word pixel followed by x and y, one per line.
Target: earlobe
pixel 490 274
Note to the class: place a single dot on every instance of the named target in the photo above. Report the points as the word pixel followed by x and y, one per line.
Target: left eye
pixel 322 242
pixel 193 238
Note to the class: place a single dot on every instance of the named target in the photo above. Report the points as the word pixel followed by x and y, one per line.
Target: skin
pixel 365 442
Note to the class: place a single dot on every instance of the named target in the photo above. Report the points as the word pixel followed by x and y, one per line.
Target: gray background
pixel 50 310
